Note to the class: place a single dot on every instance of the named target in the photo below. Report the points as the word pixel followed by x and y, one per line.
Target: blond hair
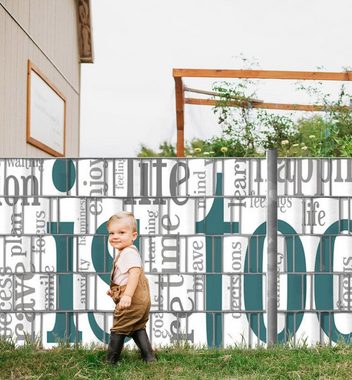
pixel 124 215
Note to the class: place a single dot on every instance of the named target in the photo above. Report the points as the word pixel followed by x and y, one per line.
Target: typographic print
pixel 202 237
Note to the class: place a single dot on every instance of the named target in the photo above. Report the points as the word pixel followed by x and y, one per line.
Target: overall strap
pixel 114 265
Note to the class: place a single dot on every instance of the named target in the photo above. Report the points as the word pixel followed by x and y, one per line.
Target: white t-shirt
pixel 129 258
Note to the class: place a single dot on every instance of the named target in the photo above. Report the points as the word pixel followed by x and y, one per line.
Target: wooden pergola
pixel 181 100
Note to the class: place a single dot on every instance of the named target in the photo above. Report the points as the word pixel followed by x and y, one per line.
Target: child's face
pixel 121 234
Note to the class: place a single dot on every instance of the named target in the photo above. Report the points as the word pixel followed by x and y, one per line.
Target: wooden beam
pixel 214 93
pixel 262 74
pixel 269 106
pixel 180 118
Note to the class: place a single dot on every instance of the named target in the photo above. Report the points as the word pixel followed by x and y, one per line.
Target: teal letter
pixel 102 262
pixel 64 174
pixel 64 323
pixel 323 283
pixel 296 282
pixel 213 226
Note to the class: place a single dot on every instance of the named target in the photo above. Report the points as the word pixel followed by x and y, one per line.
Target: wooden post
pixel 180 118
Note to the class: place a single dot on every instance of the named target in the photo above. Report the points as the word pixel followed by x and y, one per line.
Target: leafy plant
pixel 235 114
pixel 278 131
pixel 165 150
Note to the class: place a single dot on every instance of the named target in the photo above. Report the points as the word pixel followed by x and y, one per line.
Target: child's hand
pixel 109 293
pixel 125 302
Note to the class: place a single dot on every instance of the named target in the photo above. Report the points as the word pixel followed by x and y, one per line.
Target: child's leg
pixel 140 337
pixel 115 347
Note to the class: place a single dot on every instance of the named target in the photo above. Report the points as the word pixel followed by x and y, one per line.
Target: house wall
pixel 44 32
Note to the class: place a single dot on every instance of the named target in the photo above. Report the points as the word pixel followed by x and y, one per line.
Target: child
pixel 128 288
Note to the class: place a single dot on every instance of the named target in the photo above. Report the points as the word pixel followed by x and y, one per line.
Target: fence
pixel 202 237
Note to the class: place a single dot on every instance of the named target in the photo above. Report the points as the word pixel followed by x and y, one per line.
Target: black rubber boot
pixel 140 337
pixel 115 347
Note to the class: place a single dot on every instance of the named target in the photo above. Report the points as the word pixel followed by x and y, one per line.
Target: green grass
pixel 30 362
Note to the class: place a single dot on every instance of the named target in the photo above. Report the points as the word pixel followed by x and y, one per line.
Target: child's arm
pixel 133 276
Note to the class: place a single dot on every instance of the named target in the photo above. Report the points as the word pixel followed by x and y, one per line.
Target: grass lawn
pixel 278 362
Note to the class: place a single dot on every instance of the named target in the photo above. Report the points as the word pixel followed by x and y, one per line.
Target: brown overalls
pixel 135 317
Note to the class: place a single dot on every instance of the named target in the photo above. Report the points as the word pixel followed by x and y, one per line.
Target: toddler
pixel 128 288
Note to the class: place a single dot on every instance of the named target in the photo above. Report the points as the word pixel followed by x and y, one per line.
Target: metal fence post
pixel 271 156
